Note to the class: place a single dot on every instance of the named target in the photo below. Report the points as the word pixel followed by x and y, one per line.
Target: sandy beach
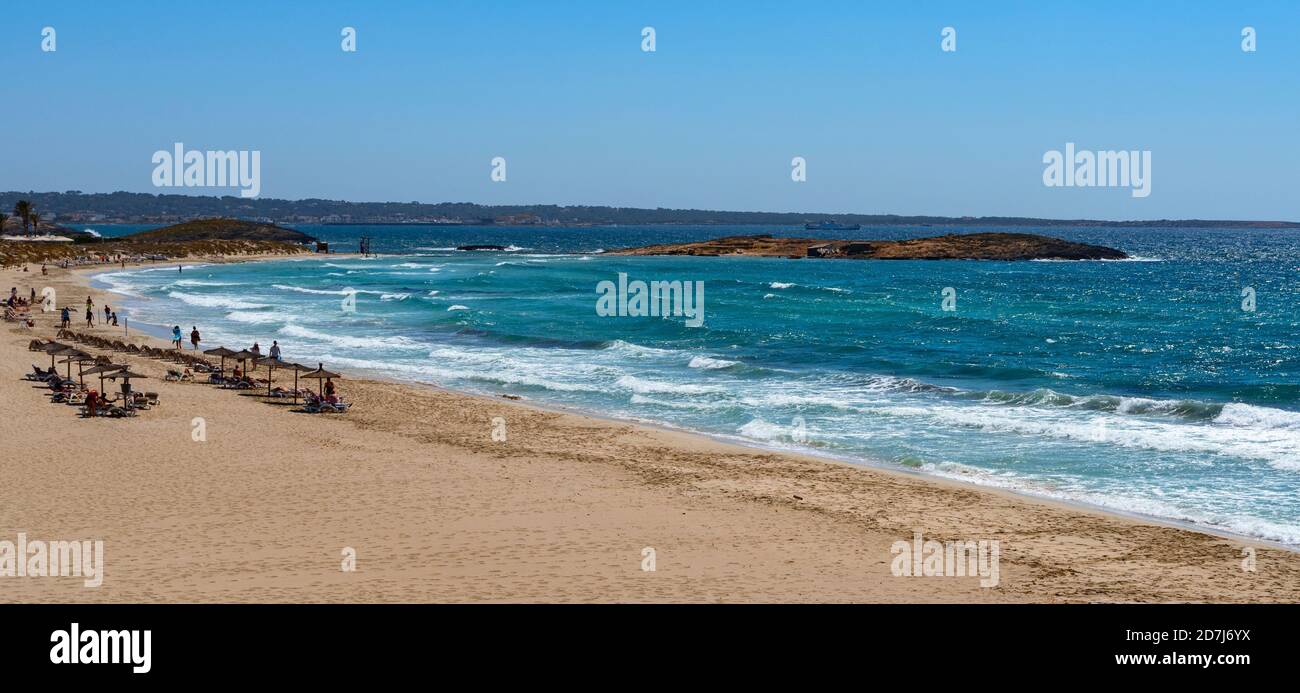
pixel 560 511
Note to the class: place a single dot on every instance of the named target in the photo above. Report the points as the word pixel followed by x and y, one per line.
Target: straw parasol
pixel 223 353
pixel 66 351
pixel 77 359
pixel 103 368
pixel 51 347
pixel 126 374
pixel 297 368
pixel 321 374
pixel 243 356
pixel 271 365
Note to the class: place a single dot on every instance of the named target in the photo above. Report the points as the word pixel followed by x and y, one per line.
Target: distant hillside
pixel 219 230
pixel 73 207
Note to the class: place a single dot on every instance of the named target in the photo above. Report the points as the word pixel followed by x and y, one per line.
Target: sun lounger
pixel 316 405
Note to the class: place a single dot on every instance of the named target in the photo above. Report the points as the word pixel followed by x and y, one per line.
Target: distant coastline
pixel 75 207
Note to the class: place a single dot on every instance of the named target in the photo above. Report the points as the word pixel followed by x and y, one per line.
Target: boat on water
pixel 831 225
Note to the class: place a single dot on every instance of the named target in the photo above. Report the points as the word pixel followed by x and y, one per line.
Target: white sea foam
pixel 644 386
pixel 257 317
pixel 708 362
pixel 352 342
pixel 458 307
pixel 215 301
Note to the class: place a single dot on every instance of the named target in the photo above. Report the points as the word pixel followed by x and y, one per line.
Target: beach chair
pixel 77 398
pixel 132 349
pixel 35 345
pixel 151 398
pixel 38 374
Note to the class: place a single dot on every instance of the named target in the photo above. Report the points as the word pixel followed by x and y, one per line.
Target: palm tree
pixel 36 222
pixel 24 209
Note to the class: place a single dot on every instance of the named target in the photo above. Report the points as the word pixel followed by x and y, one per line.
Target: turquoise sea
pixel 1143 386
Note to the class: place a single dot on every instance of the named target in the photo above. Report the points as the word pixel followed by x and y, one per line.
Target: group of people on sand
pixel 16 301
pixel 110 315
pixel 195 337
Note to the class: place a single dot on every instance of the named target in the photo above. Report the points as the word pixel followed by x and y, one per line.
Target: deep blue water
pixel 1141 386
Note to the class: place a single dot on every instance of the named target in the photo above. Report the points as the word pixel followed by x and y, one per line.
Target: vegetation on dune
pixel 37 252
pixel 220 229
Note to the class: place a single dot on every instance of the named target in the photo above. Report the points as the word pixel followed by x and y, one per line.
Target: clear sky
pixel 887 122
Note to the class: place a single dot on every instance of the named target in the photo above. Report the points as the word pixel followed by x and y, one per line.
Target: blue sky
pixel 887 122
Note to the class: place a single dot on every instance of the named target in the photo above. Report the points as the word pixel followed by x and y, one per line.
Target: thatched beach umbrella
pixel 66 351
pixel 126 374
pixel 78 359
pixel 243 356
pixel 297 368
pixel 52 347
pixel 223 353
pixel 271 364
pixel 103 368
pixel 320 374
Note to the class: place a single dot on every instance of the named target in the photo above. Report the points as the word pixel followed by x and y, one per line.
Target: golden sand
pixel 562 510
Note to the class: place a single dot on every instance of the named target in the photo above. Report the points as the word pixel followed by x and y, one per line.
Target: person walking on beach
pixel 275 350
pixel 114 314
pixel 108 314
pixel 176 336
pixel 90 317
pixel 66 318
pixel 194 337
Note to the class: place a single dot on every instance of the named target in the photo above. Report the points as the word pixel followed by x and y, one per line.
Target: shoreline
pixel 883 466
pixel 1054 550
